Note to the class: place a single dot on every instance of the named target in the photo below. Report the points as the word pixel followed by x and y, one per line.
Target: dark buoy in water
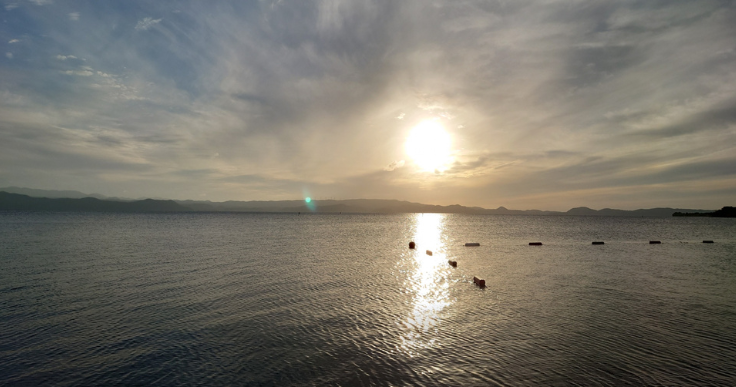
pixel 412 245
pixel 429 252
pixel 452 263
pixel 535 243
pixel 707 241
pixel 471 244
pixel 655 242
pixel 598 243
pixel 480 282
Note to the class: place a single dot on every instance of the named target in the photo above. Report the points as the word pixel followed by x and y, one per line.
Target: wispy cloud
pixel 547 103
pixel 83 73
pixel 11 41
pixel 146 23
pixel 394 165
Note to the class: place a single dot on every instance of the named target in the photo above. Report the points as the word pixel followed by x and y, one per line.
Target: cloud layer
pixel 550 104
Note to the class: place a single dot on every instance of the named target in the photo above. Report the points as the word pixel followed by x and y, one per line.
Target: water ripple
pixel 231 299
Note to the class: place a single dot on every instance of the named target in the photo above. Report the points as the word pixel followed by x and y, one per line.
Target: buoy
pixel 470 244
pixel 429 252
pixel 412 245
pixel 452 263
pixel 598 243
pixel 655 242
pixel 480 282
pixel 535 243
pixel 707 241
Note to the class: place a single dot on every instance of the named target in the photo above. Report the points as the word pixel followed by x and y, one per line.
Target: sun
pixel 429 145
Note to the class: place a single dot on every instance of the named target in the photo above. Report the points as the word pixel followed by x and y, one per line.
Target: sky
pixel 542 104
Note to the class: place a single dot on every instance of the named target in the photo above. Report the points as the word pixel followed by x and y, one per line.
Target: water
pixel 281 299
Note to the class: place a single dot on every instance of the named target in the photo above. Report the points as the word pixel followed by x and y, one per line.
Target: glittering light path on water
pixel 428 284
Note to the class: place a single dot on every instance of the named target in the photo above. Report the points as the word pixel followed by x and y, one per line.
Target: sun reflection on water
pixel 428 283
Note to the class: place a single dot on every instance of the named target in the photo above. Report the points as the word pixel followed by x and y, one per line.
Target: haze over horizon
pixel 527 105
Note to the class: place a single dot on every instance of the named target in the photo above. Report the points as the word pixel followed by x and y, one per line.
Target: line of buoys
pixel 413 245
pixel 480 282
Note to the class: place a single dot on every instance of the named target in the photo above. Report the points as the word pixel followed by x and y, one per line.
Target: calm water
pixel 280 299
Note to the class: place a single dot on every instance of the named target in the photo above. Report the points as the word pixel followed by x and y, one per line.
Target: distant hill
pixel 372 206
pixel 725 212
pixel 655 212
pixel 379 206
pixel 52 194
pixel 64 194
pixel 17 202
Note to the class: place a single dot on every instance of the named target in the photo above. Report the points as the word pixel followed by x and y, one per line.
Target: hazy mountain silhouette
pixel 380 206
pixel 17 202
pixel 52 194
pixel 45 200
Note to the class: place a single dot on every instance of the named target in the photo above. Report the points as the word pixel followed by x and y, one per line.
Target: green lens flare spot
pixel 308 199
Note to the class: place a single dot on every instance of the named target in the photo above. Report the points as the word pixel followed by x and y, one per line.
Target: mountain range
pixel 27 199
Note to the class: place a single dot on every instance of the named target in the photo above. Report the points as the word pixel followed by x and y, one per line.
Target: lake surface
pixel 281 299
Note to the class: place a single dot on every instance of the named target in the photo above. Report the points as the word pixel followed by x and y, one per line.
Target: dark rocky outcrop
pixel 725 212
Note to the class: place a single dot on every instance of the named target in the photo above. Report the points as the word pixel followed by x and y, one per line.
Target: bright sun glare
pixel 428 145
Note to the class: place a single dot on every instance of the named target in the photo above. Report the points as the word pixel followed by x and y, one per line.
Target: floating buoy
pixel 452 263
pixel 412 245
pixel 470 244
pixel 480 282
pixel 535 243
pixel 598 243
pixel 429 252
pixel 707 241
pixel 655 242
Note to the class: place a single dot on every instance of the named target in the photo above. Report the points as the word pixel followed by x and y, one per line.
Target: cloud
pixel 10 7
pixel 546 102
pixel 483 165
pixel 9 55
pixel 394 165
pixel 73 16
pixel 41 2
pixel 11 41
pixel 146 23
pixel 699 122
pixel 83 73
